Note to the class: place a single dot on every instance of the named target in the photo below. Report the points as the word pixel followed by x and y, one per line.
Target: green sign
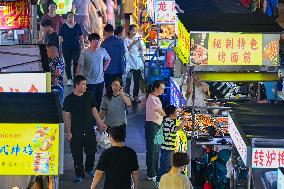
pixel 63 6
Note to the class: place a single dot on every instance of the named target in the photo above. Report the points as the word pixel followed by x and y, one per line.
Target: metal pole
pixel 34 34
pixel 233 163
pixel 249 177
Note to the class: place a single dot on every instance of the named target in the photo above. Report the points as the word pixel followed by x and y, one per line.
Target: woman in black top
pixel 72 42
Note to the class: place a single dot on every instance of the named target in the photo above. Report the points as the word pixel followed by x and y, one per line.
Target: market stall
pixel 257 131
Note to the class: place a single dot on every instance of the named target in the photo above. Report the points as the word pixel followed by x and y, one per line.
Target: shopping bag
pixel 103 140
pixel 159 137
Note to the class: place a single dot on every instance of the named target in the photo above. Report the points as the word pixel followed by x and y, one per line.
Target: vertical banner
pixel 29 149
pixel 165 12
pixel 14 15
pixel 151 9
pixel 235 49
pixel 183 43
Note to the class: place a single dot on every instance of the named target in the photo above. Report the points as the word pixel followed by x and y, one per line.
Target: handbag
pixel 274 11
pixel 99 12
pixel 159 137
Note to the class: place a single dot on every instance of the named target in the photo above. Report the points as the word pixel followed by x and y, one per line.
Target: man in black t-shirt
pixel 118 163
pixel 79 113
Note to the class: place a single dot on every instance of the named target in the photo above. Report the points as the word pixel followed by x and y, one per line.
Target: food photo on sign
pixel 199 48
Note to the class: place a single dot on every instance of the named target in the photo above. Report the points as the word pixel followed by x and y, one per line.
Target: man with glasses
pixel 93 63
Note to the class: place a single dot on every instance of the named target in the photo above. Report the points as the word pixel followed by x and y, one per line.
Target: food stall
pixel 229 48
pixel 258 139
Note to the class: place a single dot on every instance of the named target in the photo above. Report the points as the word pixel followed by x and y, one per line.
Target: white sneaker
pixel 69 82
pixel 152 179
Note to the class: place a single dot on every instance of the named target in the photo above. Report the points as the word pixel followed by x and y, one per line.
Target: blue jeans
pixel 152 149
pixel 60 95
pixel 165 162
pixel 97 90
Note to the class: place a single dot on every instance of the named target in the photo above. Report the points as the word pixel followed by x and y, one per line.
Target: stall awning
pixel 237 76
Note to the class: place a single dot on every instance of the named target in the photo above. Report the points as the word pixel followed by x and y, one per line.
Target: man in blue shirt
pixel 268 6
pixel 116 50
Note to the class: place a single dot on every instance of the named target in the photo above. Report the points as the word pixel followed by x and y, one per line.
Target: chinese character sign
pixel 29 149
pixel 234 49
pixel 151 9
pixel 23 82
pixel 267 157
pixel 14 15
pixel 237 139
pixel 165 12
pixel 183 42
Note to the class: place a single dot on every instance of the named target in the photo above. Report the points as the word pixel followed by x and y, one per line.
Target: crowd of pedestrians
pixel 100 67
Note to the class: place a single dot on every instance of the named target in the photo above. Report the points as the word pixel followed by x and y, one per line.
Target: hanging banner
pixel 63 6
pixel 14 15
pixel 235 49
pixel 183 46
pixel 151 9
pixel 29 149
pixel 165 12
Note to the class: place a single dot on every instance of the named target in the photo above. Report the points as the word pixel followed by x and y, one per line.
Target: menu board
pixel 234 49
pixel 29 149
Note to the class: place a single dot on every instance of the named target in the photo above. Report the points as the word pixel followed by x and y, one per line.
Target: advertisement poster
pixel 183 45
pixel 63 6
pixel 29 149
pixel 165 12
pixel 23 82
pixel 234 49
pixel 14 15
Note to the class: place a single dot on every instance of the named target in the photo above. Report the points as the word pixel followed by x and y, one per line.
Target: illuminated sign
pixel 29 149
pixel 237 139
pixel 234 49
pixel 267 157
pixel 183 46
pixel 23 82
pixel 14 15
pixel 63 6
pixel 165 12
pixel 151 9
pixel 175 94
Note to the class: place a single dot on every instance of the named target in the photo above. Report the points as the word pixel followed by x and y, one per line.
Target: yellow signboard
pixel 183 46
pixel 29 149
pixel 234 49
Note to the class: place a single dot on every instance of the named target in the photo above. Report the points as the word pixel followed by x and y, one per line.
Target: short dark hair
pixel 51 45
pixel 118 30
pixel 156 84
pixel 94 36
pixel 77 80
pixel 180 159
pixel 169 110
pixel 108 28
pixel 131 27
pixel 46 23
pixel 70 12
pixel 52 3
pixel 117 134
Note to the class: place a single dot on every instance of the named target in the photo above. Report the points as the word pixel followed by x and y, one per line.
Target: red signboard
pixel 14 15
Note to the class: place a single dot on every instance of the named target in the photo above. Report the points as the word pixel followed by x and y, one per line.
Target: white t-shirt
pixel 175 181
pixel 134 60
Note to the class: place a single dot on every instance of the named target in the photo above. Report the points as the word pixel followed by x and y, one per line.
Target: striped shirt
pixel 169 134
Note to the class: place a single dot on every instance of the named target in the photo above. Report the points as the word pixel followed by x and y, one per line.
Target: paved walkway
pixel 135 139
